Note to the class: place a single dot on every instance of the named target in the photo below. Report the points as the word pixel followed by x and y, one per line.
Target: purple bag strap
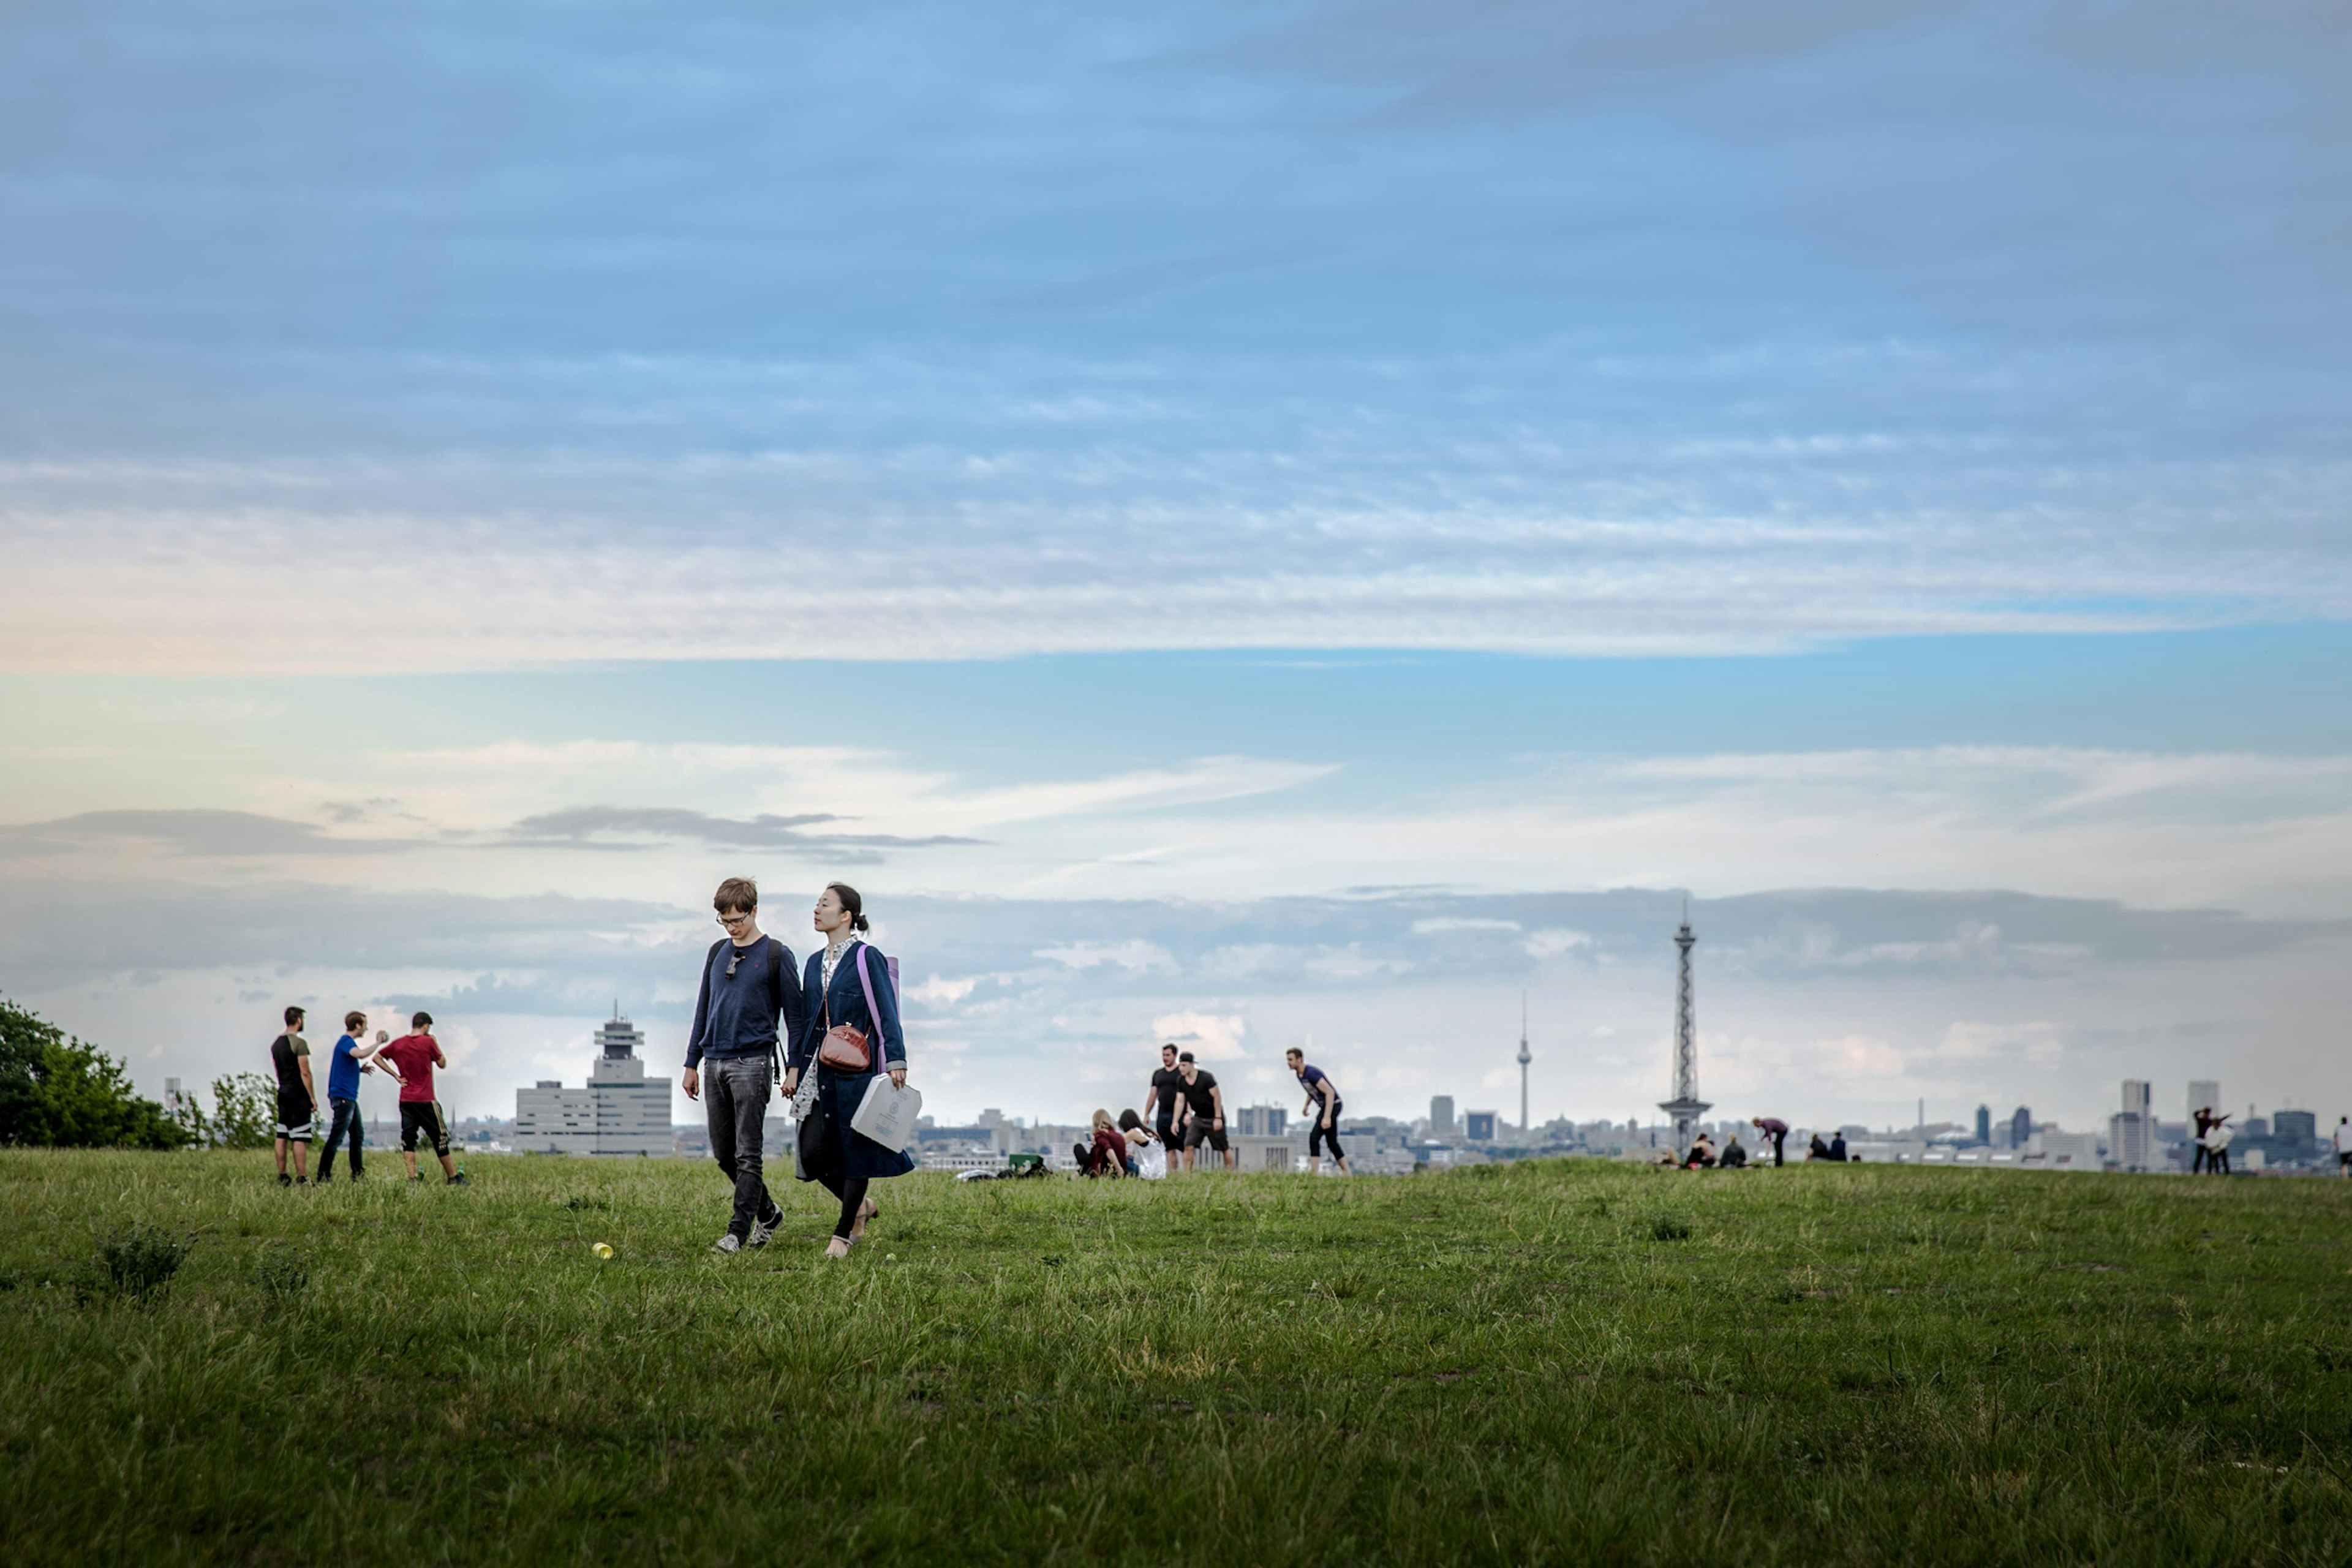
pixel 872 1011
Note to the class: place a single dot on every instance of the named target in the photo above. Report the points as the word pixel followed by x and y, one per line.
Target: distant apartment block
pixel 620 1112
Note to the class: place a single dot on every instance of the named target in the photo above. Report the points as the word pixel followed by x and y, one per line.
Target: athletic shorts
pixel 294 1114
pixel 1166 1128
pixel 1197 1131
pixel 1318 1134
pixel 421 1116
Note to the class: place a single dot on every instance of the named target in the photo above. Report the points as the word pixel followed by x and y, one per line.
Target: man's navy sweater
pixel 736 1015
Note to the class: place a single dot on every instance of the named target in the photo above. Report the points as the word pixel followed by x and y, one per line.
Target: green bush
pixel 282 1273
pixel 245 1112
pixel 141 1260
pixel 57 1092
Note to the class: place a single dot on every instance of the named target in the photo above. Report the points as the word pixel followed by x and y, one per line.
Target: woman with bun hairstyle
pixel 851 996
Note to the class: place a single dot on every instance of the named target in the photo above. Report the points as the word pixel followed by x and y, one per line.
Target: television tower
pixel 1685 1107
pixel 1525 1057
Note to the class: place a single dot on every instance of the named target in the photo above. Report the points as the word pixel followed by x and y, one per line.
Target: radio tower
pixel 1685 1107
pixel 1525 1057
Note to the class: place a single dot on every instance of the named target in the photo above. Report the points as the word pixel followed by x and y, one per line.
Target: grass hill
pixel 1557 1361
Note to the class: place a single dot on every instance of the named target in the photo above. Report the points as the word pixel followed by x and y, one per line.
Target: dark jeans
pixel 735 1092
pixel 347 1114
pixel 1778 1139
pixel 1318 1134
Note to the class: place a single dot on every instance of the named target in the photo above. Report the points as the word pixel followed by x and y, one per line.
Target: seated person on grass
pixel 1734 1158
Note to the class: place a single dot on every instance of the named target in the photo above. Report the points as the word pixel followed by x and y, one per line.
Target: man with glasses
pixel 749 980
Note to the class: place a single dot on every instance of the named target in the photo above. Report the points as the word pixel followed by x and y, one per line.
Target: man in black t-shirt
pixel 289 1054
pixel 1204 1112
pixel 1166 1093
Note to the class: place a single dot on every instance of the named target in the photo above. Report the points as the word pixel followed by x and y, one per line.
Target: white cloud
pixel 940 991
pixel 1134 957
pixel 1552 943
pixel 1210 1037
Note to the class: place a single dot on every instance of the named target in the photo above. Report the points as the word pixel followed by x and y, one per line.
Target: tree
pixel 59 1092
pixel 245 1112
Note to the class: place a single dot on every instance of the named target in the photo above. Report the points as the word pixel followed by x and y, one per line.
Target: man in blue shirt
pixel 749 982
pixel 351 1059
pixel 1322 1111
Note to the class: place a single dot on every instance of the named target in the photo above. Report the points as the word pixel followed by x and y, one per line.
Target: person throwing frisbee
pixel 1322 1111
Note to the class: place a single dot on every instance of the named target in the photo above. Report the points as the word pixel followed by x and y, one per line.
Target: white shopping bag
pixel 888 1114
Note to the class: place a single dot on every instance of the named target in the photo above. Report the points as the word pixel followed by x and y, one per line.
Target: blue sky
pixel 491 470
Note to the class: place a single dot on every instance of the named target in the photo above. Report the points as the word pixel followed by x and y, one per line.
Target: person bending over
pixel 1322 1111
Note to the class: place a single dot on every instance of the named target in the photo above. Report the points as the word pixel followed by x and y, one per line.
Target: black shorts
pixel 294 1113
pixel 422 1116
pixel 1197 1131
pixel 1317 1135
pixel 1166 1128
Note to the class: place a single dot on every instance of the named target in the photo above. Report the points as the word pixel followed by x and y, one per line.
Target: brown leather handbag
pixel 845 1048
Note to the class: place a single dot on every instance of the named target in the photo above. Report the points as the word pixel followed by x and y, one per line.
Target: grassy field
pixel 1562 1361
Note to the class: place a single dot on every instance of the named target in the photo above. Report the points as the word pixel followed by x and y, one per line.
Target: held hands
pixel 791 1083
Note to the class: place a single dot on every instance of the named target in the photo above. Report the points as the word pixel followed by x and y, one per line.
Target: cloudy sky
pixel 1253 524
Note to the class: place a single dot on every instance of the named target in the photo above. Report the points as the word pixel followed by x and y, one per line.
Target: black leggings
pixel 1317 1135
pixel 851 1191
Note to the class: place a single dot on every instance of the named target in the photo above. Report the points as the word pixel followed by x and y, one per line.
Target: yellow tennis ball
pixel 602 1249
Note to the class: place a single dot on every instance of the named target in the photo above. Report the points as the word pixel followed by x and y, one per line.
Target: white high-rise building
pixel 2204 1094
pixel 2131 1132
pixel 620 1112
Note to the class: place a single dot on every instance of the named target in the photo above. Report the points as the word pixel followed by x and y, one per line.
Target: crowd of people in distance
pixel 1772 1131
pixel 408 1061
pixel 1187 1114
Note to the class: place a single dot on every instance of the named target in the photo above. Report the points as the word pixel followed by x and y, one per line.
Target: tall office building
pixel 1440 1116
pixel 2020 1127
pixel 1478 1126
pixel 1261 1122
pixel 620 1112
pixel 2131 1132
pixel 2204 1094
pixel 1984 1125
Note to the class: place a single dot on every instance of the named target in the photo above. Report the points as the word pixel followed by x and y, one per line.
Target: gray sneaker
pixel 727 1244
pixel 761 1229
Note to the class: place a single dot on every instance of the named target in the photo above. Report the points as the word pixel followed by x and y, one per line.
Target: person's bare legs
pixel 448 1167
pixel 281 1156
pixel 408 1158
pixel 302 1161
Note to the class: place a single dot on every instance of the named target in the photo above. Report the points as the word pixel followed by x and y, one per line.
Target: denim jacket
pixel 845 1003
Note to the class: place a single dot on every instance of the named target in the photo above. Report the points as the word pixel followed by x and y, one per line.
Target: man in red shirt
pixel 411 1060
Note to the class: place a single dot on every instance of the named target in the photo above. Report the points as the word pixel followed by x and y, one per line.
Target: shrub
pixel 141 1260
pixel 245 1112
pixel 282 1273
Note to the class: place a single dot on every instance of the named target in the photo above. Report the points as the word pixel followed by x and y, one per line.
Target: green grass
pixel 1521 1365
